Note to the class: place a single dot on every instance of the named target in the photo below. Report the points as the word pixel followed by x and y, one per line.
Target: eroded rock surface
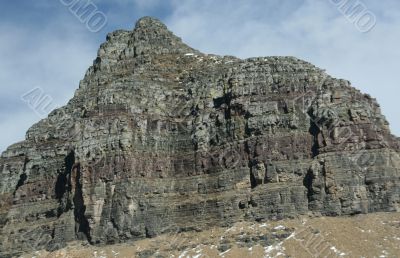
pixel 162 138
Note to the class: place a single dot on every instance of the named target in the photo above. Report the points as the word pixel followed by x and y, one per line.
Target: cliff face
pixel 161 138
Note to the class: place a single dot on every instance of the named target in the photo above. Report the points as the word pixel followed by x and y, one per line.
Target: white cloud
pixel 314 31
pixel 52 59
pixel 13 128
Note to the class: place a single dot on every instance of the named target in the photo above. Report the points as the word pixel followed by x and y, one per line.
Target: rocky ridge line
pixel 162 138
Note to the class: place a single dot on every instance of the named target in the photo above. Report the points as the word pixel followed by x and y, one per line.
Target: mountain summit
pixel 162 138
pixel 153 35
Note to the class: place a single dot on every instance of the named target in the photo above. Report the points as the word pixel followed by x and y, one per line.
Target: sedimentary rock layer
pixel 161 138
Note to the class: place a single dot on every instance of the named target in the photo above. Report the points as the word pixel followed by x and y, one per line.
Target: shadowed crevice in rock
pixel 258 173
pixel 314 131
pixel 308 183
pixel 165 136
pixel 22 178
pixel 82 228
pixel 21 182
pixel 63 185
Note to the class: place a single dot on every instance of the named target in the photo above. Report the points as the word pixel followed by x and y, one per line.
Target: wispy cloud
pixel 53 58
pixel 312 30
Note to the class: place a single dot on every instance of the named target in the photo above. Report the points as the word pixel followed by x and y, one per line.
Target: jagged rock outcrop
pixel 160 138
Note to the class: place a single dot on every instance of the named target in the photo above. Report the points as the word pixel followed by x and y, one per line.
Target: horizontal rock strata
pixel 162 138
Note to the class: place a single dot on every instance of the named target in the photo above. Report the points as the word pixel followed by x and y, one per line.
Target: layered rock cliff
pixel 162 138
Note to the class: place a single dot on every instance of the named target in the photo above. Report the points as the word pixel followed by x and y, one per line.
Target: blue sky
pixel 42 44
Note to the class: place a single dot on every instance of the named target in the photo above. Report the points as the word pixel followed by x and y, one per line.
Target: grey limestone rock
pixel 160 137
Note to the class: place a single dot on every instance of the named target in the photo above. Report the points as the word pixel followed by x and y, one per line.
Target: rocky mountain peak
pixel 161 138
pixel 151 36
pixel 148 22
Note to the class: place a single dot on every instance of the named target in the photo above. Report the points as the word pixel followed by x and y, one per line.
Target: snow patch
pixel 223 253
pixel 339 253
pixel 280 227
pixel 271 248
pixel 183 254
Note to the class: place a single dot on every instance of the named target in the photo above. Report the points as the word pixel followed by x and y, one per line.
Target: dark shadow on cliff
pixel 82 228
pixel 63 183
